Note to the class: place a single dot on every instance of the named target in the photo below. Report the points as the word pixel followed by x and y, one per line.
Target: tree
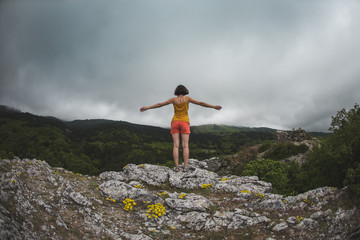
pixel 339 155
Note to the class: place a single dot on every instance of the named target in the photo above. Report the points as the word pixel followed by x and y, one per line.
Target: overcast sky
pixel 280 64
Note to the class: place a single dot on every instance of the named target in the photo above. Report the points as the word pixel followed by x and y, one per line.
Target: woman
pixel 180 124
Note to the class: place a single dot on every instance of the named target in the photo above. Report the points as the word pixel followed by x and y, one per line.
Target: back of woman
pixel 180 124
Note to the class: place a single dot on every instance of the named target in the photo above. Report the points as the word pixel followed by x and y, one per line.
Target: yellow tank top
pixel 181 112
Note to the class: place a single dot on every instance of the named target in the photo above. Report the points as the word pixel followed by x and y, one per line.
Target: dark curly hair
pixel 181 90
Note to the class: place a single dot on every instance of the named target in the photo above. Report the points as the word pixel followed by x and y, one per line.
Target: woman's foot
pixel 176 169
pixel 185 169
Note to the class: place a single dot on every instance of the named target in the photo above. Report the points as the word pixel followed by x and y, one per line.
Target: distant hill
pixel 97 145
pixel 214 128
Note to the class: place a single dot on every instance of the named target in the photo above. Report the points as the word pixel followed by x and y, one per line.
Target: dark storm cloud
pixel 283 64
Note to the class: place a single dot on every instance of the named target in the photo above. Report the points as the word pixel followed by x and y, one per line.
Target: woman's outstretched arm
pixel 157 105
pixel 204 104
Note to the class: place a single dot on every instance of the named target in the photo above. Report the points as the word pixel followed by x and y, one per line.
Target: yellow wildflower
pixel 206 186
pixel 163 194
pixel 245 191
pixel 155 210
pixel 129 203
pixel 182 196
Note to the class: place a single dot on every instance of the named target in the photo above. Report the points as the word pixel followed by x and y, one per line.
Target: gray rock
pixel 307 224
pixel 192 202
pixel 193 220
pixel 238 184
pixel 112 175
pixel 150 174
pixel 120 191
pixel 76 196
pixel 317 215
pixel 281 226
pixel 195 178
pixel 270 204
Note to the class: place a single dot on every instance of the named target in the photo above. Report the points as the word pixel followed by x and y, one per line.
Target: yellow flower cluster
pixel 182 196
pixel 206 186
pixel 155 210
pixel 31 162
pixel 308 201
pixel 110 199
pixel 19 173
pixel 125 166
pixel 299 218
pixel 138 186
pixel 163 194
pixel 259 195
pixel 141 165
pixel 224 179
pixel 129 204
pixel 245 191
pixel 13 180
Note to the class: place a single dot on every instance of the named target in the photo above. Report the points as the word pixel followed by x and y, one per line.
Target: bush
pixel 352 181
pixel 270 171
pixel 281 151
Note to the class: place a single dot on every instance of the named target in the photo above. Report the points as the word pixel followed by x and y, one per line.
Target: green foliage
pixel 279 151
pixel 352 180
pixel 335 163
pixel 283 176
pixel 94 146
pixel 270 171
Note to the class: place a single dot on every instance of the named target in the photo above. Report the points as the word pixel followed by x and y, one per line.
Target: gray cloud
pixel 282 64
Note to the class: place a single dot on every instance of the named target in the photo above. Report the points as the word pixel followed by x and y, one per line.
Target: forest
pixel 93 146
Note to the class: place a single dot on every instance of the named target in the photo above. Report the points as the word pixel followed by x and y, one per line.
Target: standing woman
pixel 180 123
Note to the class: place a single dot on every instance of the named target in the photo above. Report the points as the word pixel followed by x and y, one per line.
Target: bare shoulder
pixel 171 100
pixel 190 99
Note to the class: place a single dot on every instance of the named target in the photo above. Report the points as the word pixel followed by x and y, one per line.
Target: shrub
pixel 270 171
pixel 281 151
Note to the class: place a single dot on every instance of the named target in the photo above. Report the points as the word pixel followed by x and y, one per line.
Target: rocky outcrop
pixel 153 202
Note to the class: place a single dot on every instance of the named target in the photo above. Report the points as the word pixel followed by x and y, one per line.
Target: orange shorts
pixel 180 127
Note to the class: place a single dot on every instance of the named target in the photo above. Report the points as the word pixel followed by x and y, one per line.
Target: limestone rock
pixel 192 202
pixel 195 178
pixel 120 191
pixel 40 202
pixel 150 174
pixel 281 226
pixel 238 184
pixel 307 224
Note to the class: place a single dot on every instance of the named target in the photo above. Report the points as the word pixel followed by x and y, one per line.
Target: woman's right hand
pixel 143 109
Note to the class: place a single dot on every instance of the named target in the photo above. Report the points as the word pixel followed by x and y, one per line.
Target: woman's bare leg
pixel 176 141
pixel 185 146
